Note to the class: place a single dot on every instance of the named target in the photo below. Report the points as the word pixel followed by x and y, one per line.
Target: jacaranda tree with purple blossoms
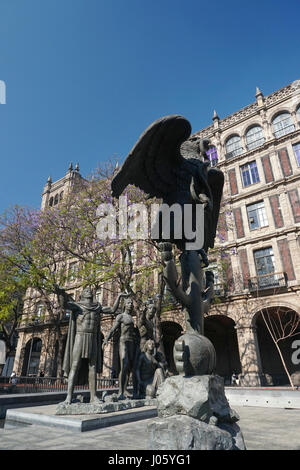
pixel 59 247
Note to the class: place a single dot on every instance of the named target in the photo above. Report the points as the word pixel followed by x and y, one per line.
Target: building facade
pixel 258 149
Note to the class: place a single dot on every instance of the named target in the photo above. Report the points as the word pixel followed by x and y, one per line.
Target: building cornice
pixel 275 142
pixel 250 110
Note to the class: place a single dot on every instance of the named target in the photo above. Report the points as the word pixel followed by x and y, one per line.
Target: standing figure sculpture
pixel 84 339
pixel 166 165
pixel 146 322
pixel 127 348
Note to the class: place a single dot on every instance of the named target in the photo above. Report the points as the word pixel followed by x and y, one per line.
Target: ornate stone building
pixel 258 149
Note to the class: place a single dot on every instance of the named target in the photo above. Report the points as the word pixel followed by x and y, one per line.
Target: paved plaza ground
pixel 263 429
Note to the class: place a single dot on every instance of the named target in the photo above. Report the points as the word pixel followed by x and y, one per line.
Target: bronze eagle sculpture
pixel 168 164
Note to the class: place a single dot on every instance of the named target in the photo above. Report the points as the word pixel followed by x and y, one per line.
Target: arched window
pixel 234 146
pixel 56 199
pixel 298 113
pixel 254 137
pixel 51 201
pixel 61 195
pixel 283 124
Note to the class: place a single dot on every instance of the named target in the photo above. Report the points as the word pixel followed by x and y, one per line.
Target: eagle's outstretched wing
pixel 153 161
pixel 215 180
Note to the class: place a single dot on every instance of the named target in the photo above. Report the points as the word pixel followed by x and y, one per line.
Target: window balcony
pixel 267 281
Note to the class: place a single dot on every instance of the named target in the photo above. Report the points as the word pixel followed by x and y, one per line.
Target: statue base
pixel 100 408
pixel 193 413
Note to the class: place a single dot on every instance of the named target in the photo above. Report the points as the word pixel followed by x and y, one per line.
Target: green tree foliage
pixel 13 285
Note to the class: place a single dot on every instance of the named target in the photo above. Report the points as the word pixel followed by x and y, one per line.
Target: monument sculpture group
pixel 193 412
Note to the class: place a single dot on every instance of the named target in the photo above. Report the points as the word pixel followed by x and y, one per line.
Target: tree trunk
pixel 284 365
pixel 279 351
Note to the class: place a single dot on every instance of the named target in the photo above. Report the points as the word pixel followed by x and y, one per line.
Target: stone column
pixel 249 356
pixel 244 143
pixel 18 362
pixel 295 119
pixel 294 250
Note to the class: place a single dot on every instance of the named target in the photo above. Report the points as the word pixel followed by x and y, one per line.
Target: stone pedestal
pixel 102 408
pixel 193 413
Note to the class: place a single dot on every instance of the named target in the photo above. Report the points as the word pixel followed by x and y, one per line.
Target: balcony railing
pixel 267 281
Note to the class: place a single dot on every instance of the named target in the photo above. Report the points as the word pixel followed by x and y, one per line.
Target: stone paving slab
pixel 263 429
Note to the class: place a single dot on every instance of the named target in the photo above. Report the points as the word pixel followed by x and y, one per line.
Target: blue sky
pixel 84 78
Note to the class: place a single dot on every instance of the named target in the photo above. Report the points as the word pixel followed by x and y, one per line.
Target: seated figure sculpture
pixel 149 372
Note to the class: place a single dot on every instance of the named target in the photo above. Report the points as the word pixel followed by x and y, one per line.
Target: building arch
pixel 284 304
pixel 277 112
pixel 228 133
pixel 32 355
pixel 220 330
pixel 277 319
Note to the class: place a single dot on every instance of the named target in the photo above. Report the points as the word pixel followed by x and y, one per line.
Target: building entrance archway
pixel 220 330
pixel 32 357
pixel 284 324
